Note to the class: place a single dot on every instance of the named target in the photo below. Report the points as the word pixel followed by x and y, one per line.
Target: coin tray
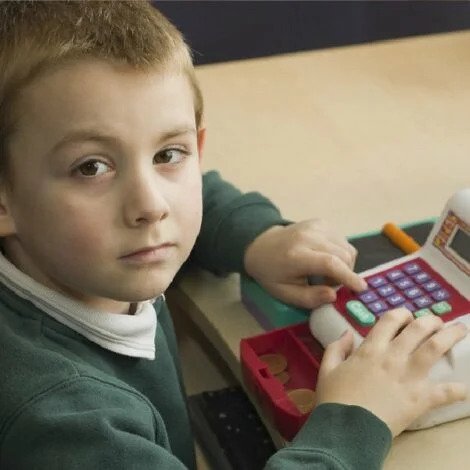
pixel 303 354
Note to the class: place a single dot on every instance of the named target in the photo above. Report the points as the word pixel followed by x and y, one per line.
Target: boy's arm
pixel 246 233
pixel 231 221
pixel 338 437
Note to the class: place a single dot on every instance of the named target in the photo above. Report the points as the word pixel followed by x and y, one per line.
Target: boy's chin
pixel 141 293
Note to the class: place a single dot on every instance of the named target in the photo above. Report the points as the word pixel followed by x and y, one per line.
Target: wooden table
pixel 358 135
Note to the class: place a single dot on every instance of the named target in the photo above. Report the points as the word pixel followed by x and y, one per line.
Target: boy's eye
pixel 92 168
pixel 172 155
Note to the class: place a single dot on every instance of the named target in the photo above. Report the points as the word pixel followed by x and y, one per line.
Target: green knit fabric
pixel 231 221
pixel 66 403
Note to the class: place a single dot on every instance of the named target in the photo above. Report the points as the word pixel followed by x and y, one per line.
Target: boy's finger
pixel 448 393
pixel 328 265
pixel 315 226
pixel 437 345
pixel 389 325
pixel 343 242
pixel 337 352
pixel 303 296
pixel 327 246
pixel 353 253
pixel 318 241
pixel 416 332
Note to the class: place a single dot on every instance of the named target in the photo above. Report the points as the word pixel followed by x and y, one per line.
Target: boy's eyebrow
pixel 91 135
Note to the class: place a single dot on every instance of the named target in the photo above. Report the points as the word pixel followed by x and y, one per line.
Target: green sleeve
pixel 231 221
pixel 336 437
pixel 85 423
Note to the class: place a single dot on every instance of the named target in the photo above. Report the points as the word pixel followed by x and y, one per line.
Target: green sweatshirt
pixel 67 403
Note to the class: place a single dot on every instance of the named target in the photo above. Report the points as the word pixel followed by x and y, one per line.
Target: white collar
pixel 130 335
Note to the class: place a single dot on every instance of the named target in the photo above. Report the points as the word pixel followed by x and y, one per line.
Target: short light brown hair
pixel 38 35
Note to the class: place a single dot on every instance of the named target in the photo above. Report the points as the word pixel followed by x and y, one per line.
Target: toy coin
pixel 276 362
pixel 303 398
pixel 283 377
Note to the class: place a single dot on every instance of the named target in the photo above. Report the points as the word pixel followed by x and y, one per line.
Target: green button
pixel 441 307
pixel 422 312
pixel 360 313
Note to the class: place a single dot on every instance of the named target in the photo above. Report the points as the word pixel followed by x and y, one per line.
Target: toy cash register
pixel 435 280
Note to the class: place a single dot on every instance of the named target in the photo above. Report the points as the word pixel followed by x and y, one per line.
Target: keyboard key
pixel 368 296
pixel 423 302
pixel 431 286
pixel 422 277
pixel 413 292
pixel 440 294
pixel 411 268
pixel 404 283
pixel 376 281
pixel 378 307
pixel 387 290
pixel 395 275
pixel 360 313
pixel 422 312
pixel 409 306
pixel 441 308
pixel 396 299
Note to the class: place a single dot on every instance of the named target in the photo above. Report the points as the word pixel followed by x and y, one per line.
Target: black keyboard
pixel 229 430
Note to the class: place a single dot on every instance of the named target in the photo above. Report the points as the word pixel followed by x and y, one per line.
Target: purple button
pixel 368 296
pixel 422 302
pixel 404 283
pixel 378 307
pixel 431 286
pixel 410 307
pixel 422 277
pixel 396 299
pixel 376 281
pixel 387 290
pixel 440 294
pixel 413 292
pixel 411 268
pixel 395 274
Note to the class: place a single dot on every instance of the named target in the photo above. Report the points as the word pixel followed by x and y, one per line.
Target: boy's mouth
pixel 149 254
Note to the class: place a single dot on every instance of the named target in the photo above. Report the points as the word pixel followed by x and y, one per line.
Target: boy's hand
pixel 388 373
pixel 283 257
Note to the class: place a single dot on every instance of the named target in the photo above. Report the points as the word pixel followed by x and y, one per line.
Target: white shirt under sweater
pixel 130 335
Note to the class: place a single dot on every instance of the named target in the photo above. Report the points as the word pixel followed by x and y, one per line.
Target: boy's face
pixel 105 163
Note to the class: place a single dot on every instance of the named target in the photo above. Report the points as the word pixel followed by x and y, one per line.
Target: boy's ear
pixel 7 224
pixel 201 140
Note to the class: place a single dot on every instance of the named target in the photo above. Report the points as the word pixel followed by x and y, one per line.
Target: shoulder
pixel 85 422
pixel 43 366
pixel 80 400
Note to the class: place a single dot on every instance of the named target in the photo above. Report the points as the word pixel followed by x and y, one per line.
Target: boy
pixel 100 204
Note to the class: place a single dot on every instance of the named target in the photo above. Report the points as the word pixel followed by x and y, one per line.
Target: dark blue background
pixel 229 30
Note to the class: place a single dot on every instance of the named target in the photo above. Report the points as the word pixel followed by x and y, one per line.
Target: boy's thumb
pixel 337 351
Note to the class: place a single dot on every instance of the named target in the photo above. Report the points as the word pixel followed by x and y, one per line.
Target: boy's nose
pixel 145 202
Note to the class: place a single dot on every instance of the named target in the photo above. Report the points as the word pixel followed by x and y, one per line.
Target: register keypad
pixel 409 285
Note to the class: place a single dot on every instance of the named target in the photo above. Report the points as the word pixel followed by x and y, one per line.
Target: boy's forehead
pixel 95 93
pixel 87 85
